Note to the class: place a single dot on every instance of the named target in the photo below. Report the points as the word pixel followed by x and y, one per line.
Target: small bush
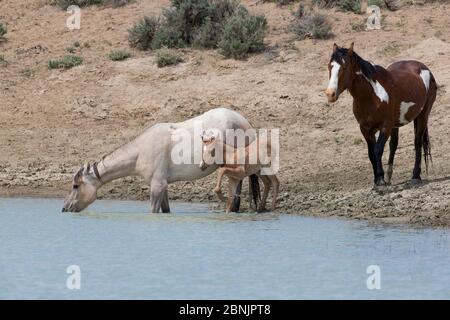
pixel 117 3
pixel 325 3
pixel 3 61
pixel 3 30
pixel 242 34
pixel 119 55
pixel 28 72
pixel 64 4
pixel 350 5
pixel 167 57
pixel 312 25
pixel 281 2
pixel 143 32
pixel 358 26
pixel 66 62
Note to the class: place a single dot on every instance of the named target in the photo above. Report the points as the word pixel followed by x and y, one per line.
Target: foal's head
pixel 84 190
pixel 342 68
pixel 208 150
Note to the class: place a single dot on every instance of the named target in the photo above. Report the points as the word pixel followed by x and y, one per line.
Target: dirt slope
pixel 52 121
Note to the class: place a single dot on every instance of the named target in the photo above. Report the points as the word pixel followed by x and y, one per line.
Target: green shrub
pixel 28 72
pixel 312 25
pixel 350 5
pixel 117 3
pixel 3 30
pixel 167 57
pixel 281 2
pixel 325 3
pixel 143 32
pixel 66 62
pixel 242 34
pixel 3 61
pixel 119 55
pixel 64 4
pixel 203 24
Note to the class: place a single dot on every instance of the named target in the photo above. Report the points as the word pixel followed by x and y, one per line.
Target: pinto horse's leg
pixel 393 144
pixel 369 135
pixel 379 148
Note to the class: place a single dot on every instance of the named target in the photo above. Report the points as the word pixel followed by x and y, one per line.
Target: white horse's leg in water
pixel 165 208
pixel 158 191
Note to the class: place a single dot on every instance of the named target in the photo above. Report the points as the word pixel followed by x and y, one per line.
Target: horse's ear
pixel 86 168
pixel 78 175
pixel 350 49
pixel 335 47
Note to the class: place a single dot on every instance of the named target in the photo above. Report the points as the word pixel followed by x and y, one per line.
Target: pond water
pixel 123 252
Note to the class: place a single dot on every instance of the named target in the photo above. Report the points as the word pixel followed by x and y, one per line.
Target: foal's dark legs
pixel 393 144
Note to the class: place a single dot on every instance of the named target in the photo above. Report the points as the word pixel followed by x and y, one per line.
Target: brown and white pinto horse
pixel 384 100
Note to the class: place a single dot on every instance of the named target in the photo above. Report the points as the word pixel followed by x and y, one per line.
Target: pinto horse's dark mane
pixel 366 67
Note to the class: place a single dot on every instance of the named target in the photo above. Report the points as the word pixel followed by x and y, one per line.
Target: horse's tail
pixel 254 189
pixel 427 149
pixel 432 92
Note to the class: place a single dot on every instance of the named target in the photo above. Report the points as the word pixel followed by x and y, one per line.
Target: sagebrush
pixel 166 57
pixel 311 24
pixel 119 55
pixel 200 24
pixel 64 4
pixel 3 30
pixel 65 62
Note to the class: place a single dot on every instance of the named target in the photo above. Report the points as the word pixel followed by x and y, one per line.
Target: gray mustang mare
pixel 151 157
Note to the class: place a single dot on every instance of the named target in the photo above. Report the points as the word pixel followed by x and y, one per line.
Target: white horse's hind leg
pixel 158 190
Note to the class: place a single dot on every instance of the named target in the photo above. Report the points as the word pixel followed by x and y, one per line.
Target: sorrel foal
pixel 238 163
pixel 384 100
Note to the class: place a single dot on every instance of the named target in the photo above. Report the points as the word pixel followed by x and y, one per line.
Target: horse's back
pixel 416 68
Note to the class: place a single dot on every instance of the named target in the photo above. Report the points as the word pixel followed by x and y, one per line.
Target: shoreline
pixel 347 206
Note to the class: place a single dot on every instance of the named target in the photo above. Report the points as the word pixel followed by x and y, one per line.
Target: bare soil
pixel 51 121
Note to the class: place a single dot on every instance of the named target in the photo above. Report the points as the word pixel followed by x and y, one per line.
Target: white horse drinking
pixel 151 156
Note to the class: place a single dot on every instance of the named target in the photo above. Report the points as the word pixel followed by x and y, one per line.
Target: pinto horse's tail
pixel 254 189
pixel 427 149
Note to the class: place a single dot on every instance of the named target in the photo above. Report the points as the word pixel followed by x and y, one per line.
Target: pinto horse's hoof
pixel 379 186
pixel 414 182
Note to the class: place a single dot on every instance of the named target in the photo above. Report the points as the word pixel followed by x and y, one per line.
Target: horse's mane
pixel 367 68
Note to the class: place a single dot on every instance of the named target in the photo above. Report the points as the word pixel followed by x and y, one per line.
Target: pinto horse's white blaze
pixel 334 77
pixel 425 75
pixel 404 108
